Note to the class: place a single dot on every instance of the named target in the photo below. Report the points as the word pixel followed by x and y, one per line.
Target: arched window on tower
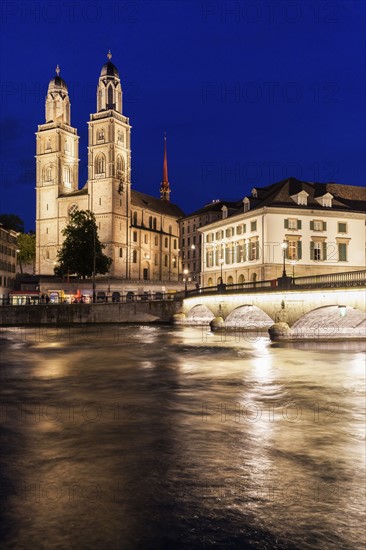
pixel 67 146
pixel 100 135
pixel 72 209
pixel 67 176
pixel 100 164
pixel 48 145
pixel 120 166
pixel 110 97
pixel 48 173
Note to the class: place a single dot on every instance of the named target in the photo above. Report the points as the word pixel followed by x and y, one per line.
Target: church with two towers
pixel 140 232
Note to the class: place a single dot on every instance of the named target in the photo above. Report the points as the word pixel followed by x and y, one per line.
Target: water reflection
pixel 153 437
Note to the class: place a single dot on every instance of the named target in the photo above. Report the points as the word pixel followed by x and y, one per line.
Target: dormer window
pixel 246 203
pixel 224 212
pixel 325 200
pixel 301 198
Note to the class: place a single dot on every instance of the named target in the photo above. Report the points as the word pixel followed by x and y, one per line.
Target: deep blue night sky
pixel 248 92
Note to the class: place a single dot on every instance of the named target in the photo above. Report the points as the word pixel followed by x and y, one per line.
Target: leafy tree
pixel 26 249
pixel 12 221
pixel 81 243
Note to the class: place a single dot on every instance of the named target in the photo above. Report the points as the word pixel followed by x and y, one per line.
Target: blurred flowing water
pixel 139 437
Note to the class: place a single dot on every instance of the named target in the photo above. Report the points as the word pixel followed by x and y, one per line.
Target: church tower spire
pixel 165 186
pixel 57 100
pixel 109 90
pixel 57 151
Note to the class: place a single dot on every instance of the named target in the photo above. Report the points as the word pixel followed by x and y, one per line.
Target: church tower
pixel 57 148
pixel 109 166
pixel 165 186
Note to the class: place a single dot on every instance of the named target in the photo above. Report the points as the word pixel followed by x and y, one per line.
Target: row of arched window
pixel 48 174
pixel 109 98
pixel 48 146
pixel 101 136
pixel 230 279
pixel 100 165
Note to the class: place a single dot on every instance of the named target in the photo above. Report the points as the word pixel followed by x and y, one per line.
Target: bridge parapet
pixel 348 279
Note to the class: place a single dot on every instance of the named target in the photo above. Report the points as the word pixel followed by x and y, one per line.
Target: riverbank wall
pixel 153 311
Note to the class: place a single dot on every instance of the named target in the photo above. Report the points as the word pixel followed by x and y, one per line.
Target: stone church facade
pixel 140 232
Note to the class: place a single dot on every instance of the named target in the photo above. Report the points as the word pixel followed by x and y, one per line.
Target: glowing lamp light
pixel 342 311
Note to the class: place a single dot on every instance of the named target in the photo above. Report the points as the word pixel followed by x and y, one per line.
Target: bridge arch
pixel 200 315
pixel 248 317
pixel 331 320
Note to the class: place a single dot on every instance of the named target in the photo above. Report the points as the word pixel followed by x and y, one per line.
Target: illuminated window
pixel 292 223
pixel 318 225
pixel 318 251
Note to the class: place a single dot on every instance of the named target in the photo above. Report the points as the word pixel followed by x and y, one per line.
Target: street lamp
pixel 221 264
pixel 284 246
pixel 94 265
pixel 185 271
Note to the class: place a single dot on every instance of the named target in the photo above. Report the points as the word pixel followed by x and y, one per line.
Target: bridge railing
pixel 255 286
pixel 331 280
pixel 347 279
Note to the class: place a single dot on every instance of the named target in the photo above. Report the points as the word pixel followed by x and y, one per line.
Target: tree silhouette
pixel 80 247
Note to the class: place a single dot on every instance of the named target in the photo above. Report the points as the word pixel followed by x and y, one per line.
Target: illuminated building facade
pixel 322 226
pixel 140 232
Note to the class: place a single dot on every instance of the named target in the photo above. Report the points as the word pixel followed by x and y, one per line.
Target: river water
pixel 139 437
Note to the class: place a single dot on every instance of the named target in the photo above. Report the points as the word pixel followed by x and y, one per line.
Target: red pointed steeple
pixel 165 187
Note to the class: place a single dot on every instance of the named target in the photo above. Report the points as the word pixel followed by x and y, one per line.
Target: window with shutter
pixel 312 225
pixel 227 255
pixel 299 250
pixel 238 253
pixel 324 251
pixel 324 226
pixel 298 224
pixel 312 253
pixel 342 252
pixel 286 224
pixel 287 251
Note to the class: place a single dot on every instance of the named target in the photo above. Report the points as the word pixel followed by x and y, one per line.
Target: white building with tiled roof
pixel 321 228
pixel 190 236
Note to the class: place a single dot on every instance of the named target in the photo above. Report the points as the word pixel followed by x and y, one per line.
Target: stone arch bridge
pixel 332 310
